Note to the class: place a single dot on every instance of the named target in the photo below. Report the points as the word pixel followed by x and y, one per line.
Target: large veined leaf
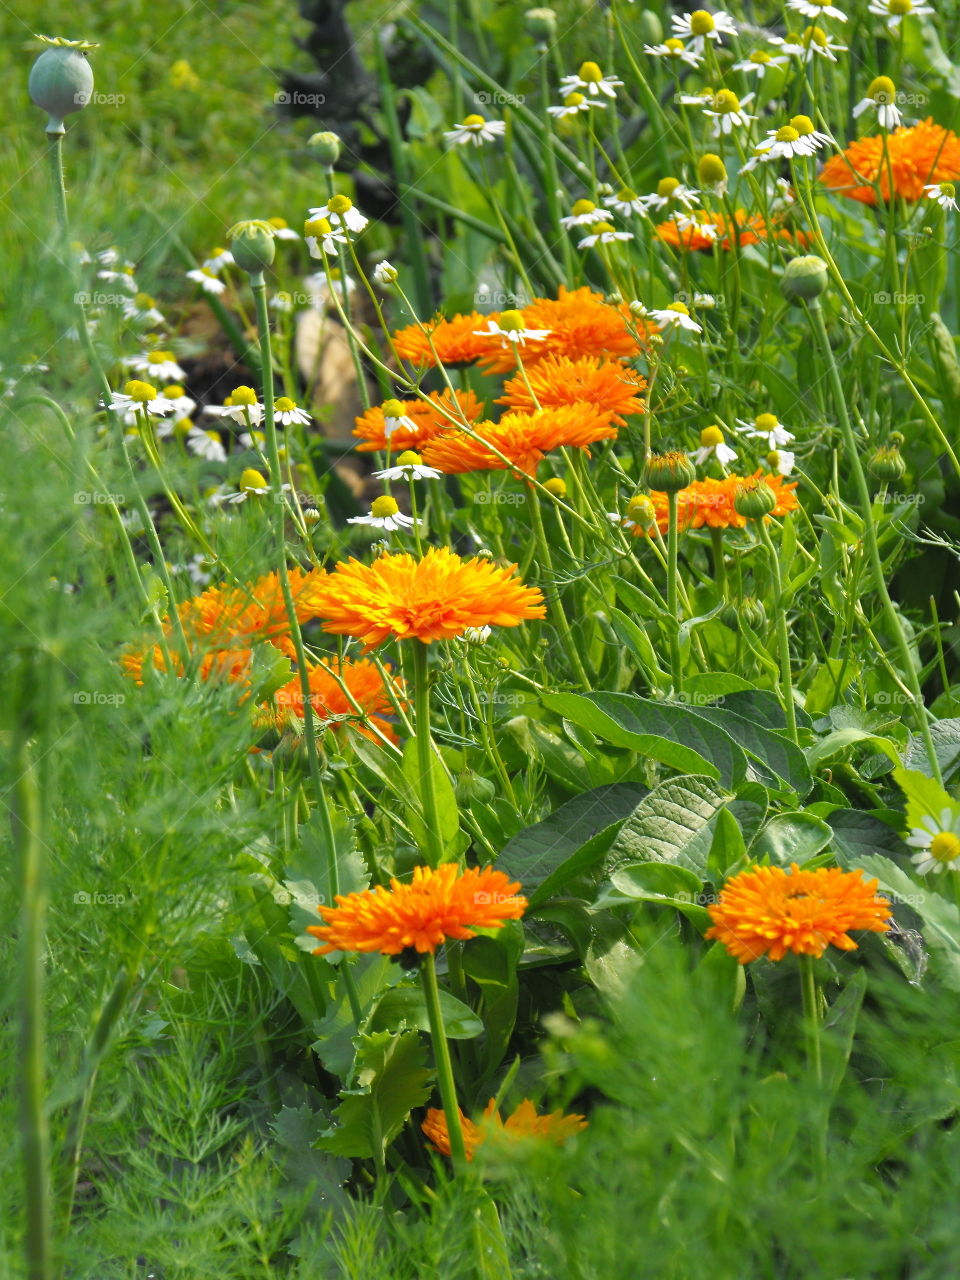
pixel 857 833
pixel 941 919
pixel 771 752
pixel 672 824
pixel 791 837
pixel 448 816
pixel 405 1009
pixel 946 744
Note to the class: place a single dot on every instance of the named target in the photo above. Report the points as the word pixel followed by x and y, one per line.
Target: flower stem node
pixel 326 147
pixel 61 80
pixel 804 278
pixel 669 472
pixel 754 499
pixel 252 245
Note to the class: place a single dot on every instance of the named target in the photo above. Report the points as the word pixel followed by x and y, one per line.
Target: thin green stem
pixel 674 623
pixel 425 754
pixel 441 1055
pixel 783 635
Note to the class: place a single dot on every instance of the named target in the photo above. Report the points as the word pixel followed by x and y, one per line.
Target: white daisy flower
pixel 285 412
pixel 937 841
pixel 702 98
pixel 241 405
pixel 183 405
pixel 766 426
pixel 625 202
pixel 252 440
pixel 573 104
pixel 475 635
pixel 603 233
pixel 814 42
pixel 726 112
pixel 674 49
pixel 207 445
pixel 384 274
pixel 207 281
pixel 341 212
pixel 670 191
pixel 881 97
pixel 713 445
pixel 109 257
pixel 141 309
pixel 159 364
pixel 323 284
pixel 196 568
pixel 675 316
pixel 408 467
pixel 945 194
pixel 591 80
pixel 385 514
pixel 788 142
pixel 394 419
pixel 218 259
pixel 640 513
pixel 894 11
pixel 124 279
pixel 141 396
pixel 512 330
pixel 817 9
pixel 281 231
pixel 322 238
pixel 701 26
pixel 760 62
pixel 281 302
pixel 474 131
pixel 80 256
pixel 583 214
pixel 781 461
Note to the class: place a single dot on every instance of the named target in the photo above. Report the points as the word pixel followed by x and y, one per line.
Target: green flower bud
pixel 471 786
pixel 61 80
pixel 804 277
pixel 754 499
pixel 749 613
pixel 251 244
pixel 326 147
pixel 649 27
pixel 669 472
pixel 542 24
pixel 887 464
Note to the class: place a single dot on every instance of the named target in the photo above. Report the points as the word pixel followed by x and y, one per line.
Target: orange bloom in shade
pixel 429 417
pixel 769 911
pixel 524 438
pixel 216 664
pixel 332 686
pixel 745 229
pixel 435 598
pixel 456 341
pixel 436 905
pixel 579 323
pixel 918 156
pixel 608 385
pixel 221 615
pixel 525 1122
pixel 709 503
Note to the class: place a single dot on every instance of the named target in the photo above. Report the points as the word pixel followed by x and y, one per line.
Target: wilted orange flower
pixel 709 503
pixel 436 905
pixel 579 323
pixel 220 615
pixel 916 157
pixel 332 686
pixel 769 911
pixel 426 414
pixel 435 598
pixel 558 380
pixel 523 1123
pixel 460 340
pixel 524 438
pixel 215 664
pixel 718 230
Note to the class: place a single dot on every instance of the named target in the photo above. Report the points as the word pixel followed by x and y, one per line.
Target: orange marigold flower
pixel 428 416
pixel 769 911
pixel 436 905
pixel 459 340
pixel 223 614
pixel 347 692
pixel 719 230
pixel 435 598
pixel 523 438
pixel 709 503
pixel 558 380
pixel 215 664
pixel 916 157
pixel 525 1122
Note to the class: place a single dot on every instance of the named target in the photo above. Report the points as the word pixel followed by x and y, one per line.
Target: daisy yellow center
pixel 557 486
pixel 473 122
pixel 899 7
pixel 382 507
pixel 711 169
pixel 142 392
pixel 710 437
pixel 803 125
pixel 945 846
pixel 143 301
pixel 284 404
pixel 679 307
pixel 250 480
pixel 409 458
pixel 340 204
pixel 510 321
pixel 814 35
pixel 574 100
pixel 773 460
pixel 174 391
pixel 766 422
pixel 208 272
pixel 279 223
pixel 760 57
pixel 217 251
pixel 667 186
pixel 317 227
pixel 702 23
pixel 601 228
pixel 214 436
pixel 787 133
pixel 183 426
pixel 392 409
pixel 948 189
pixel 582 207
pixel 641 510
pixel 674 45
pixel 882 89
pixel 726 102
pixel 590 73
pixel 159 357
pixel 244 395
pixel 627 194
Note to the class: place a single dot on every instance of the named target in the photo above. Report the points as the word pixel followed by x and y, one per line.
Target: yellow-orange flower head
pixel 769 911
pixel 914 157
pixel 436 905
pixel 525 1122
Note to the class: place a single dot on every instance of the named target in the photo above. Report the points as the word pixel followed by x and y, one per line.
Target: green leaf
pixel 791 837
pixel 837 742
pixel 673 824
pixel 310 860
pixel 634 637
pixel 946 745
pixel 857 833
pixel 448 815
pixel 839 1026
pixel 771 755
pixel 727 848
pixel 925 797
pixel 296 1129
pixel 393 1078
pixel 405 1009
pixel 490 1252
pixel 663 883
pixel 726 973
pixel 335 1033
pixel 941 919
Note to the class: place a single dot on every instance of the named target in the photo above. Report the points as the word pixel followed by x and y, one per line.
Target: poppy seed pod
pixel 251 244
pixel 804 278
pixel 326 147
pixel 61 80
